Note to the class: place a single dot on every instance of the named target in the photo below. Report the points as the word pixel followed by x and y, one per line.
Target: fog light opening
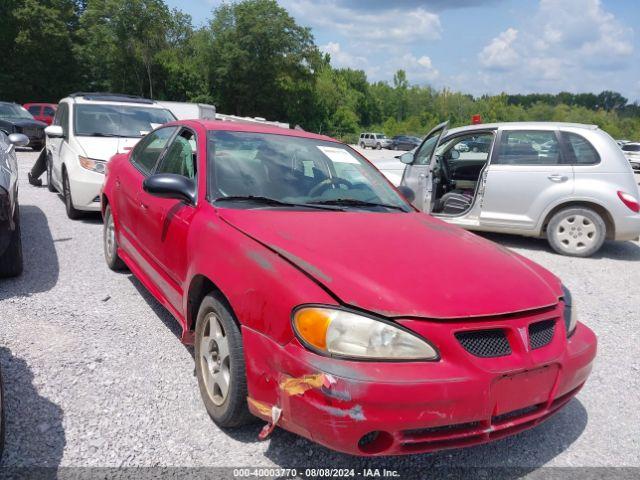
pixel 375 442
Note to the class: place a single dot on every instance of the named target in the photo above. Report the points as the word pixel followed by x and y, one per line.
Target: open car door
pixel 418 175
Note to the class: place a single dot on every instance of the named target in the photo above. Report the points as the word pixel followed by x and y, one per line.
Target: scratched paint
pixel 261 259
pixel 297 386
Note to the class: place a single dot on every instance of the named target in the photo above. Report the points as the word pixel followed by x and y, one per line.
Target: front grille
pixel 505 417
pixel 443 429
pixel 485 343
pixel 541 333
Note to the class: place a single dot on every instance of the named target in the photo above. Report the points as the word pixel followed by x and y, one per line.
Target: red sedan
pixel 43 112
pixel 321 301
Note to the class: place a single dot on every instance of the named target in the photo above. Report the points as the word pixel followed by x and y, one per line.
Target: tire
pixel 395 147
pixel 110 243
pixel 378 146
pixel 11 259
pixel 72 212
pixel 2 427
pixel 217 333
pixel 50 186
pixel 576 232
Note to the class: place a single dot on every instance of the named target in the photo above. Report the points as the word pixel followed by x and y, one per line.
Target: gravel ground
pixel 95 374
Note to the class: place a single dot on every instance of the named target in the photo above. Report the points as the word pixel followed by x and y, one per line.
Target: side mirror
pixel 54 131
pixel 407 193
pixel 169 185
pixel 18 139
pixel 406 158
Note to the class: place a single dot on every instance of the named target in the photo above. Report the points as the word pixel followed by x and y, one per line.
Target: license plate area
pixel 523 390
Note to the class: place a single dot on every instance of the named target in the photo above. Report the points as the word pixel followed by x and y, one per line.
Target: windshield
pixel 8 110
pixel 295 170
pixel 631 148
pixel 380 135
pixel 97 120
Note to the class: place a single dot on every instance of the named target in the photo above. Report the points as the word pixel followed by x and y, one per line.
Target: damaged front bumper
pixel 391 408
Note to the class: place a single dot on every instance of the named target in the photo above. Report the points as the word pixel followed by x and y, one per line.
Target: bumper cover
pixel 391 408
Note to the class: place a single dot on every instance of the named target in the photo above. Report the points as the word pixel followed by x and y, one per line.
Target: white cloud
pixel 418 69
pixel 367 27
pixel 499 54
pixel 564 44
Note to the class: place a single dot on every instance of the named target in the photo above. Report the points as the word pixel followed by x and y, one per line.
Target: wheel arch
pixel 596 207
pixel 199 287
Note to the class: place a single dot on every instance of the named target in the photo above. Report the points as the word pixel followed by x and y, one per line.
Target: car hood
pixel 103 148
pixel 401 264
pixel 26 122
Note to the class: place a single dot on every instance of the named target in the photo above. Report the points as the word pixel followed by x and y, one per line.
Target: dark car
pixel 43 112
pixel 10 243
pixel 16 119
pixel 404 142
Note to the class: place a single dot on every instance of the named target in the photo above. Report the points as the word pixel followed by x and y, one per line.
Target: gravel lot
pixel 95 374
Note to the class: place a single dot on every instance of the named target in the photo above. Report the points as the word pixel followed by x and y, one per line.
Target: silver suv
pixel 567 182
pixel 374 140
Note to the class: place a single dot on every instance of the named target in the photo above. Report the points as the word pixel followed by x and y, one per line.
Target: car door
pixel 132 216
pixel 526 174
pixel 418 174
pixel 35 111
pixel 56 146
pixel 168 220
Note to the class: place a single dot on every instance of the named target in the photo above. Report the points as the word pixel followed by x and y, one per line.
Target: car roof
pixel 111 98
pixel 218 125
pixel 522 125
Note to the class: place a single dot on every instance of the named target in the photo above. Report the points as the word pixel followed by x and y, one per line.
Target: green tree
pixel 262 62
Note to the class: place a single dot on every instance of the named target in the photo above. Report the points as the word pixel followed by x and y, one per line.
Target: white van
pixel 87 130
pixel 190 111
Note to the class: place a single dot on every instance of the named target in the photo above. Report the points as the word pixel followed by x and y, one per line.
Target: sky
pixel 476 46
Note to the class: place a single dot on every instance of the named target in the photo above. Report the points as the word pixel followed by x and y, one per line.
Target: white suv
pixel 374 140
pixel 87 130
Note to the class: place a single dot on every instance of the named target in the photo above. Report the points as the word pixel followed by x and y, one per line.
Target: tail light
pixel 630 201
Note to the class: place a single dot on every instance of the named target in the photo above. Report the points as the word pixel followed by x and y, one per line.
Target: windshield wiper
pixel 270 201
pixel 352 202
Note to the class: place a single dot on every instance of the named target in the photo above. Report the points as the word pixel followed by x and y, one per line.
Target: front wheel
pixel 220 367
pixel 72 212
pixel 110 243
pixel 577 232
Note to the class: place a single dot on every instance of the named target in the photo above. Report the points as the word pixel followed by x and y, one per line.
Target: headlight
pixel 348 334
pixel 92 164
pixel 570 314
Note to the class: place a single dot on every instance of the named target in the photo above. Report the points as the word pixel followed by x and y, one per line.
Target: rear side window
pixel 34 110
pixel 147 152
pixel 49 112
pixel 528 147
pixel 581 152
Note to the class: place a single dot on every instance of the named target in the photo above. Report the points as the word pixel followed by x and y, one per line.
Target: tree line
pixel 250 58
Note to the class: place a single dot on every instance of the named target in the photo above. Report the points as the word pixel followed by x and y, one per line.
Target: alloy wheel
pixel 214 359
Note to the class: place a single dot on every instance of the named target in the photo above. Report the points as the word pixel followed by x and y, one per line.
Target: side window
pixel 468 147
pixel 423 155
pixel 49 112
pixel 34 110
pixel 528 148
pixel 581 152
pixel 181 156
pixel 146 153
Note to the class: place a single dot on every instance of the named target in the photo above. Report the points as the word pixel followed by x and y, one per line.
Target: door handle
pixel 556 177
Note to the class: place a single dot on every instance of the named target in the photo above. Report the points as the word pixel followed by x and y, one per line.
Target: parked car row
pixel 15 118
pixel 632 153
pixel 290 263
